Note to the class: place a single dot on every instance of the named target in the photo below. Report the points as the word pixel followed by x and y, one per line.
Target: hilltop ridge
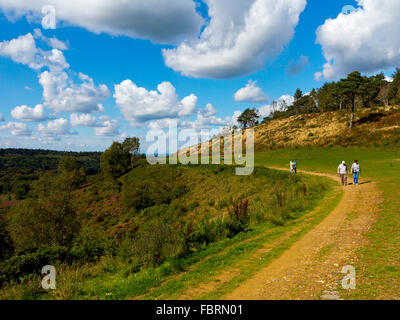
pixel 377 126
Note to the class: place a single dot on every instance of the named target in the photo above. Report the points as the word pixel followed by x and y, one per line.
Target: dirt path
pixel 312 266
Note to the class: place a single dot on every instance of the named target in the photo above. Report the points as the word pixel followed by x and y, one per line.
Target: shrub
pixel 22 266
pixel 157 241
pixel 208 231
pixel 91 244
pixel 37 223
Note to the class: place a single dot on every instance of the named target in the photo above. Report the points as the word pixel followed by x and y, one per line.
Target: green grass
pixel 378 269
pixel 212 189
pixel 239 254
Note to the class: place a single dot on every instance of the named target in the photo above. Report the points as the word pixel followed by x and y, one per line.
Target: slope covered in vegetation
pixel 126 226
pixel 378 126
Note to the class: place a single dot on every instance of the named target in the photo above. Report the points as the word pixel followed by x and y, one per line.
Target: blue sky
pixel 278 54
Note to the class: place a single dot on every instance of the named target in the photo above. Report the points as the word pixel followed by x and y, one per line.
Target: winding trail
pixel 310 268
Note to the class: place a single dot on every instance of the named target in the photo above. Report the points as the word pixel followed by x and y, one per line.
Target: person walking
pixel 295 167
pixel 355 170
pixel 291 167
pixel 342 170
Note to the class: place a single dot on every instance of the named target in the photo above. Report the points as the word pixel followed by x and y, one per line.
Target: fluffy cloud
pixel 294 67
pixel 109 128
pixel 233 120
pixel 162 123
pixel 239 38
pixel 284 101
pixel 25 113
pixel 206 118
pixel 160 21
pixel 16 129
pixel 83 120
pixel 251 93
pixel 61 94
pixel 51 42
pixel 365 40
pixel 54 128
pixel 22 50
pixel 139 105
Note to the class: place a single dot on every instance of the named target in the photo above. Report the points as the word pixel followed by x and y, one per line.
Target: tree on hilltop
pixel 249 118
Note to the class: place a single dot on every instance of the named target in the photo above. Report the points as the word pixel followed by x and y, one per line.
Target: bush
pixel 90 245
pixel 37 223
pixel 207 231
pixel 157 241
pixel 22 266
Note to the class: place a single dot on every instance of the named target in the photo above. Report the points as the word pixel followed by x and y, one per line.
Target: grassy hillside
pixel 373 127
pixel 156 221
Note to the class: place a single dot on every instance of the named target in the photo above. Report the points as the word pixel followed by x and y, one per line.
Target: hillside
pixel 121 230
pixel 373 127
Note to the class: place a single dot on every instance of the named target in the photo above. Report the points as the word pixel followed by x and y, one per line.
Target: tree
pixel 352 88
pixel 115 161
pixel 70 168
pixel 297 97
pixel 118 159
pixel 394 93
pixel 370 89
pixel 383 95
pixel 48 216
pixel 132 146
pixel 249 118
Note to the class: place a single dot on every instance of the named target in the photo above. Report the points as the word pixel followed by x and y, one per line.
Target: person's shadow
pixel 364 182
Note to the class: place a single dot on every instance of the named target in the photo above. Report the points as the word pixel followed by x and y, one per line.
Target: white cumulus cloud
pixel 160 21
pixel 22 50
pixel 54 128
pixel 240 37
pixel 60 91
pixel 51 42
pixel 26 113
pixel 206 118
pixel 139 105
pixel 83 120
pixel 109 128
pixel 365 40
pixel 251 93
pixel 16 129
pixel 62 94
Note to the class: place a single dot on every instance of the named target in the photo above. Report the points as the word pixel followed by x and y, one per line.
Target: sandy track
pixel 312 265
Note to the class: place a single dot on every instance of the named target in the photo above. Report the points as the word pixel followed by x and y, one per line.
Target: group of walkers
pixel 355 170
pixel 342 170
